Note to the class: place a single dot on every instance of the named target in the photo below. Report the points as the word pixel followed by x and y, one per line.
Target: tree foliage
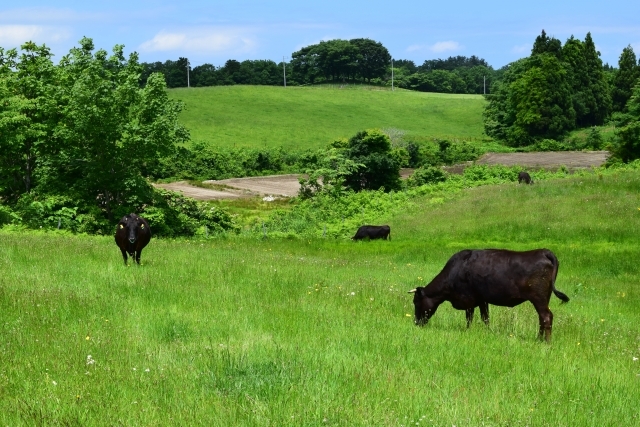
pixel 341 60
pixel 625 78
pixel 76 137
pixel 556 89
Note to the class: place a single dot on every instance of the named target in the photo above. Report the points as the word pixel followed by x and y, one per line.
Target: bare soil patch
pixel 545 160
pixel 197 192
pixel 273 185
pixel 288 185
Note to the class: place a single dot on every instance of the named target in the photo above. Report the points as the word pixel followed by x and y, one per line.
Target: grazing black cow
pixel 373 232
pixel 473 278
pixel 132 235
pixel 524 177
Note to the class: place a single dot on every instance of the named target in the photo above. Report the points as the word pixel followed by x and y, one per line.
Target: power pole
pixel 392 89
pixel 484 85
pixel 284 71
pixel 188 84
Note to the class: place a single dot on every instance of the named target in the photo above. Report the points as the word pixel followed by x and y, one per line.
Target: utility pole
pixel 188 84
pixel 392 89
pixel 284 71
pixel 484 85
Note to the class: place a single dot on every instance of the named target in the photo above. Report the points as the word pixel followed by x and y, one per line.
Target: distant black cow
pixel 524 177
pixel 132 235
pixel 473 278
pixel 373 232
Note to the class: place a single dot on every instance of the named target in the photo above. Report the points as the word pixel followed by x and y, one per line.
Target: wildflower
pixel 147 370
pixel 352 293
pixel 90 360
pixel 88 338
pixel 407 315
pixel 54 383
pixel 602 320
pixel 635 359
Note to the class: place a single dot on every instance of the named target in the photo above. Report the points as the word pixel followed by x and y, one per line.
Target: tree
pixel 624 79
pixel 110 127
pixel 628 144
pixel 546 44
pixel 373 58
pixel 27 115
pixel 542 100
pixel 372 149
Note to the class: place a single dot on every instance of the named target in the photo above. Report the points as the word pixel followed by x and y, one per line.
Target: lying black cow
pixel 373 232
pixel 132 235
pixel 524 177
pixel 473 278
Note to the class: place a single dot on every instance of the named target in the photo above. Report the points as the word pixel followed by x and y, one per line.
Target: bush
pixel 426 175
pixel 173 214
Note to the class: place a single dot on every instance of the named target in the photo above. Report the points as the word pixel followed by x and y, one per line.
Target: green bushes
pixel 169 214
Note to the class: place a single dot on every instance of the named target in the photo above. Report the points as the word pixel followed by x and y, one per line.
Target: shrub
pixel 426 175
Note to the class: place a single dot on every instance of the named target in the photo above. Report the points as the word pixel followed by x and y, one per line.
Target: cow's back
pixel 503 277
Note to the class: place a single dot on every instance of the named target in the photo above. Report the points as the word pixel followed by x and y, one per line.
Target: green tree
pixel 110 127
pixel 541 98
pixel 372 149
pixel 28 114
pixel 627 147
pixel 373 58
pixel 624 79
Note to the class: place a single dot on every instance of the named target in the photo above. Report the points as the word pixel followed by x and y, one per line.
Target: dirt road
pixel 288 185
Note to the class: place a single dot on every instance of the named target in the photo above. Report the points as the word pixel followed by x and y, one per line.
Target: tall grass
pixel 303 118
pixel 266 332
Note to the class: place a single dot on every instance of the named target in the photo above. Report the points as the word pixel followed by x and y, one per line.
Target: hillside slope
pixel 311 117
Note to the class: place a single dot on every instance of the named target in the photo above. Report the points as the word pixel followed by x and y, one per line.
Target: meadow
pixel 244 331
pixel 301 118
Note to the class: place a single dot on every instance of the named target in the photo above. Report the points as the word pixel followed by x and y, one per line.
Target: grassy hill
pixel 311 117
pixel 255 332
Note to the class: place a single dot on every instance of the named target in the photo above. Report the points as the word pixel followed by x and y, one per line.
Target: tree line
pixel 335 61
pixel 556 89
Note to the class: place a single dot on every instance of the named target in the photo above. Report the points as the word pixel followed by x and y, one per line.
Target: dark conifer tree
pixel 625 78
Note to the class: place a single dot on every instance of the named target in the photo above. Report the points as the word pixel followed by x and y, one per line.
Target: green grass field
pixel 252 332
pixel 311 117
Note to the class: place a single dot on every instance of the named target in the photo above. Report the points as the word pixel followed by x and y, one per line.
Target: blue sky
pixel 214 31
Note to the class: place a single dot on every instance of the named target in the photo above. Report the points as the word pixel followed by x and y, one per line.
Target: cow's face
pixel 424 306
pixel 133 226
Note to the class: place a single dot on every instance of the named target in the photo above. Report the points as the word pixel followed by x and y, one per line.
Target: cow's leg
pixel 469 312
pixel 138 253
pixel 546 321
pixel 484 312
pixel 124 256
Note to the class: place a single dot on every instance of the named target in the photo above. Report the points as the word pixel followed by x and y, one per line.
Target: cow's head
pixel 133 226
pixel 424 305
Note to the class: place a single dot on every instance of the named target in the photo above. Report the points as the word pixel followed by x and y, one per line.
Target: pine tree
pixel 625 78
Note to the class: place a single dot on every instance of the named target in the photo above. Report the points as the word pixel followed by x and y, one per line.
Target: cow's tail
pixel 554 260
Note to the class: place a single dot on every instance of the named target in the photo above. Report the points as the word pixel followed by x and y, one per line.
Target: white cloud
pixel 447 46
pixel 523 48
pixel 15 35
pixel 206 40
pixel 439 47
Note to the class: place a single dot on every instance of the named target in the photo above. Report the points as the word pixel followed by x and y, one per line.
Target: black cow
pixel 473 278
pixel 132 235
pixel 373 232
pixel 524 177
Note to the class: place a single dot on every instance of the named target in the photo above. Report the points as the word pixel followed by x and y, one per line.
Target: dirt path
pixel 274 185
pixel 288 185
pixel 197 192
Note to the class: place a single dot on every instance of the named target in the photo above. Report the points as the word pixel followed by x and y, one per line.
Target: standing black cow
pixel 473 278
pixel 373 232
pixel 524 177
pixel 132 235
